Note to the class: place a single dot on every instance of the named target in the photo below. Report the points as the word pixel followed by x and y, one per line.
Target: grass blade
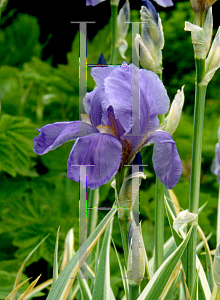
pixel 101 290
pixel 18 277
pixel 65 280
pixel 157 284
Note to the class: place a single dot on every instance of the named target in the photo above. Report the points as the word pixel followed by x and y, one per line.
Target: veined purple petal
pixel 94 103
pixel 110 120
pixel 154 93
pixel 54 135
pixel 93 2
pixel 166 160
pixel 164 3
pixel 118 89
pixel 100 73
pixel 102 152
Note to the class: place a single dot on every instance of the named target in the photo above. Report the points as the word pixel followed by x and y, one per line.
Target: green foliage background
pixel 36 197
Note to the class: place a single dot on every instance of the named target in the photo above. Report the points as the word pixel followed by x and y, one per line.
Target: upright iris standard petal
pixel 102 152
pixel 99 74
pixel 166 160
pixel 120 87
pixel 54 135
pixel 155 94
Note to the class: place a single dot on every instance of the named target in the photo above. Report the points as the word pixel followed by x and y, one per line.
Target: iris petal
pixel 164 3
pixel 95 103
pixel 166 160
pixel 102 152
pixel 99 74
pixel 118 89
pixel 155 95
pixel 54 135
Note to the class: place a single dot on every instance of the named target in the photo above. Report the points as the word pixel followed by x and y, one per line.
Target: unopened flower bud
pixel 201 38
pixel 198 5
pixel 212 62
pixel 114 2
pixel 101 60
pixel 122 26
pixel 151 41
pixel 128 192
pixel 173 118
pixel 136 258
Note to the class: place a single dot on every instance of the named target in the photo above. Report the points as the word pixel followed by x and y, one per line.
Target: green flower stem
pixel 200 94
pixel 159 225
pixel 134 292
pixel 114 50
pixel 93 213
pixel 123 222
pixel 124 227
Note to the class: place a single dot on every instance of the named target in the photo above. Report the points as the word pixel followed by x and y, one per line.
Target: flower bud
pixel 173 118
pixel 136 258
pixel 101 60
pixel 128 192
pixel 122 26
pixel 114 2
pixel 212 62
pixel 201 38
pixel 198 5
pixel 151 41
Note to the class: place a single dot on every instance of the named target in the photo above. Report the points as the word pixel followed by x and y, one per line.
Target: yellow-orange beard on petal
pixel 106 129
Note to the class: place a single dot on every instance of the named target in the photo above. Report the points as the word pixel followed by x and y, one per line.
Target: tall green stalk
pixel 159 225
pixel 134 292
pixel 123 222
pixel 200 93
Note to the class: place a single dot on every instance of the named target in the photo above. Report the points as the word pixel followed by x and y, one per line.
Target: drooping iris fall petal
pixel 166 160
pixel 54 135
pixel 102 152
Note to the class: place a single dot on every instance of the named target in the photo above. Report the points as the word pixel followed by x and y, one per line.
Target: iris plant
pixel 104 137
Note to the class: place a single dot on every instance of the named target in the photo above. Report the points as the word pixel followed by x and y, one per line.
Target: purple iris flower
pixel 93 2
pixel 104 137
pixel 215 168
